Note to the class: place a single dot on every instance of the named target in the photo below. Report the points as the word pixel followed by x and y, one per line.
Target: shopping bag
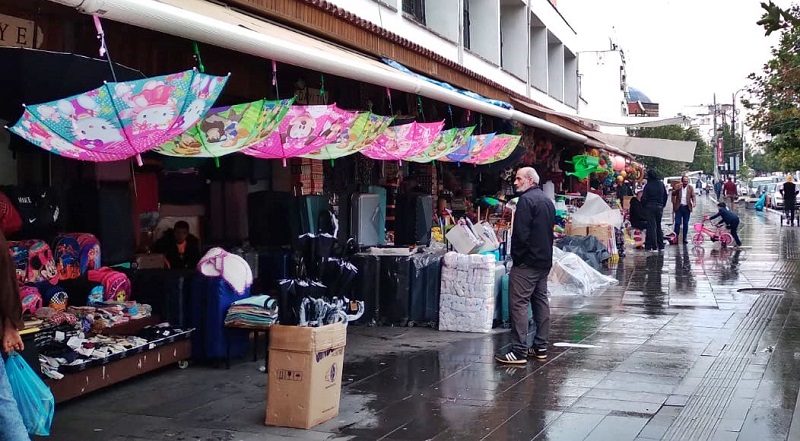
pixel 34 399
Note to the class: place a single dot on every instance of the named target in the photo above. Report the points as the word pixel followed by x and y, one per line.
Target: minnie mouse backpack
pixel 34 262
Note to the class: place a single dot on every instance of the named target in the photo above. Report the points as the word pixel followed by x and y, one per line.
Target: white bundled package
pixel 466 301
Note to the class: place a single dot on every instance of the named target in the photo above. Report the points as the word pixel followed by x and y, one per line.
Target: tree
pixel 745 173
pixel 763 163
pixel 775 92
pixel 703 156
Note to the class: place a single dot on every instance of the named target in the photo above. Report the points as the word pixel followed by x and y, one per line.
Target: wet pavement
pixel 696 343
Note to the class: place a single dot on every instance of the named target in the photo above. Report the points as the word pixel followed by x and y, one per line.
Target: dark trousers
pixel 788 211
pixel 734 227
pixel 528 286
pixel 655 236
pixel 682 220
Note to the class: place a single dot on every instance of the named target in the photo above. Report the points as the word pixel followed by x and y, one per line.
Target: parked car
pixel 776 198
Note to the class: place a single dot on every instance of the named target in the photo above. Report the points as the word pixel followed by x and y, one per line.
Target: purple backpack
pixel 89 255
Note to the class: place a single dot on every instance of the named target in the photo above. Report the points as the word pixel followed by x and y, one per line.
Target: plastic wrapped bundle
pixel 466 302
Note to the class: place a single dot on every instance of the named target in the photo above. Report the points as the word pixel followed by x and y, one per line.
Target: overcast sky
pixel 679 52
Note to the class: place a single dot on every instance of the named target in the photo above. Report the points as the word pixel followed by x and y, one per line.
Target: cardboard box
pixel 602 232
pixel 305 374
pixel 576 230
pixel 626 202
pixel 151 261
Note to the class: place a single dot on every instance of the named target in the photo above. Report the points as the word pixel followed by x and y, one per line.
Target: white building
pixel 524 45
pixel 700 117
pixel 603 82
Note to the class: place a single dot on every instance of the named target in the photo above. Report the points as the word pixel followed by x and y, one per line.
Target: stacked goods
pixel 307 175
pixel 467 300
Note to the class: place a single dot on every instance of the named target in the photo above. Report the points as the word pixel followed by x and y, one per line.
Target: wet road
pixel 695 343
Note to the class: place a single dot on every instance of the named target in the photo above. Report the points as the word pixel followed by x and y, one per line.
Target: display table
pixel 256 330
pixel 147 359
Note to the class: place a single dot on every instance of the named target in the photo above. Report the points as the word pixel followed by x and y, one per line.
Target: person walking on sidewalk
pixel 731 193
pixel 730 219
pixel 789 192
pixel 654 197
pixel 718 188
pixel 532 255
pixel 11 426
pixel 683 202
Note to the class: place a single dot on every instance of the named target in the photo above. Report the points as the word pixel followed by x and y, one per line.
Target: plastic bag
pixel 570 275
pixel 34 399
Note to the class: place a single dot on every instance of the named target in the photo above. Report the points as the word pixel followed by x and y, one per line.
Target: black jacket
pixel 169 248
pixel 636 211
pixel 654 193
pixel 532 238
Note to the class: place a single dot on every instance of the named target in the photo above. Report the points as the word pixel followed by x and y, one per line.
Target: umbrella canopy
pixel 226 130
pixel 499 148
pixel 400 142
pixel 446 142
pixel 303 130
pixel 36 76
pixel 584 165
pixel 120 120
pixel 365 129
pixel 470 149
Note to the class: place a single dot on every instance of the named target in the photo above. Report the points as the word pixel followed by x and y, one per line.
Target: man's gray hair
pixel 530 172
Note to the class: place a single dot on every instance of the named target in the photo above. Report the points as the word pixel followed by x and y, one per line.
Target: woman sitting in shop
pixel 636 213
pixel 179 247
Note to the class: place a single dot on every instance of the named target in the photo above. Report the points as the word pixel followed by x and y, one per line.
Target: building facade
pixel 604 84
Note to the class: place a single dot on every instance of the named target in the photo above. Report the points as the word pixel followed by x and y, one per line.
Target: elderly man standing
pixel 532 253
pixel 683 202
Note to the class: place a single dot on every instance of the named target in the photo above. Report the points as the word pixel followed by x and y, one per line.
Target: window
pixel 415 8
pixel 466 24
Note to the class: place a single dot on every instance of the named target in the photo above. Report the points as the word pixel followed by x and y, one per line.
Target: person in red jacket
pixel 11 426
pixel 730 192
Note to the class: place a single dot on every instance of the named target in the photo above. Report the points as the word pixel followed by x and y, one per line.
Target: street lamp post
pixel 733 126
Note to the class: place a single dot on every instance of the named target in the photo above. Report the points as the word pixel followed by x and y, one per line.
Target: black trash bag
pixel 588 248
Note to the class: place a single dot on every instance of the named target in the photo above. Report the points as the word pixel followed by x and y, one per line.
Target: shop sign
pixel 17 32
pixel 310 97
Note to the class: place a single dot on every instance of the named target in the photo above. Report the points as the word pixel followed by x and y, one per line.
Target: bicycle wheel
pixel 725 240
pixel 698 239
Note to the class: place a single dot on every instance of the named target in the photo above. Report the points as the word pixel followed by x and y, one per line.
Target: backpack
pixel 89 255
pixel 67 251
pixel 38 209
pixel 34 262
pixel 30 298
pixel 116 285
pixel 10 220
pixel 54 297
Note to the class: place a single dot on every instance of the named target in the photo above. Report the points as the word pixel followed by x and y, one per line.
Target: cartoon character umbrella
pixel 500 147
pixel 400 142
pixel 303 130
pixel 226 130
pixel 445 143
pixel 584 165
pixel 365 129
pixel 470 149
pixel 120 120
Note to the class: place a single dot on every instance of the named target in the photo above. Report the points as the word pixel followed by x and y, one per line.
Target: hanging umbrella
pixel 400 142
pixel 474 145
pixel 584 165
pixel 500 147
pixel 120 120
pixel 365 129
pixel 226 130
pixel 446 142
pixel 303 130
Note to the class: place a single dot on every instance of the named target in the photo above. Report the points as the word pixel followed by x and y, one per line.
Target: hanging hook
pixel 197 59
pixel 275 79
pixel 101 35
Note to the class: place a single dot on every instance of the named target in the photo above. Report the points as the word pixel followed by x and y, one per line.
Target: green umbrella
pixel 366 128
pixel 226 130
pixel 445 143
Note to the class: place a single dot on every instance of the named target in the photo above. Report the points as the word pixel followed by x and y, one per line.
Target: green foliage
pixel 745 173
pixel 703 155
pixel 763 163
pixel 775 92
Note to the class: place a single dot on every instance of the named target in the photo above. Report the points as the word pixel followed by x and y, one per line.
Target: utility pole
pixel 733 134
pixel 744 150
pixel 714 141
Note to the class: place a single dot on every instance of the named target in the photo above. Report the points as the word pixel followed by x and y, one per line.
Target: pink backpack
pixel 116 285
pixel 31 299
pixel 38 266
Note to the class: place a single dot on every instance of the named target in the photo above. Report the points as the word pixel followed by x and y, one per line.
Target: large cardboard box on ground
pixel 305 374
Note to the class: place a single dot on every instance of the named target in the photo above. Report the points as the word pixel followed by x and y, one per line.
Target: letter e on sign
pixel 18 32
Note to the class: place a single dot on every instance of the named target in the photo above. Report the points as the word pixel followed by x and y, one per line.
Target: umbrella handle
pixel 139 161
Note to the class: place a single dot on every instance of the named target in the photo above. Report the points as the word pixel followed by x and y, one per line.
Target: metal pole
pixel 714 140
pixel 733 135
pixel 744 156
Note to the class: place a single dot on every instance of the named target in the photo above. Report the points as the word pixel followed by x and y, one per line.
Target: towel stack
pixel 467 299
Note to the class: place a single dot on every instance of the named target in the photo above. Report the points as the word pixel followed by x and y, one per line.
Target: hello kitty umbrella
pixel 226 130
pixel 364 130
pixel 120 120
pixel 473 146
pixel 499 148
pixel 400 142
pixel 303 130
pixel 446 142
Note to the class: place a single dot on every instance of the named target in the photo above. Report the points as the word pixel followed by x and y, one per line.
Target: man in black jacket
pixel 532 253
pixel 181 248
pixel 654 197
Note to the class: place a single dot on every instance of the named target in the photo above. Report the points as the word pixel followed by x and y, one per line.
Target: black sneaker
pixel 510 358
pixel 539 354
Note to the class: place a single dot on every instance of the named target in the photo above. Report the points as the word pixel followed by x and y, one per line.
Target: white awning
pixel 657 148
pixel 633 121
pixel 228 28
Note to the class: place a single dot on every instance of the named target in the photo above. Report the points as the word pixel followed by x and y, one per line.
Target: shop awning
pixel 225 27
pixel 653 147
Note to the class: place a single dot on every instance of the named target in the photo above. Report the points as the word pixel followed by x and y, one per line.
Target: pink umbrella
pixel 499 148
pixel 403 141
pixel 303 130
pixel 474 145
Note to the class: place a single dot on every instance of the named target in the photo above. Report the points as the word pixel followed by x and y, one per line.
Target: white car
pixel 776 200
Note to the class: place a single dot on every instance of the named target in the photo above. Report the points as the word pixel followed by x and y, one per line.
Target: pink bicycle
pixel 716 235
